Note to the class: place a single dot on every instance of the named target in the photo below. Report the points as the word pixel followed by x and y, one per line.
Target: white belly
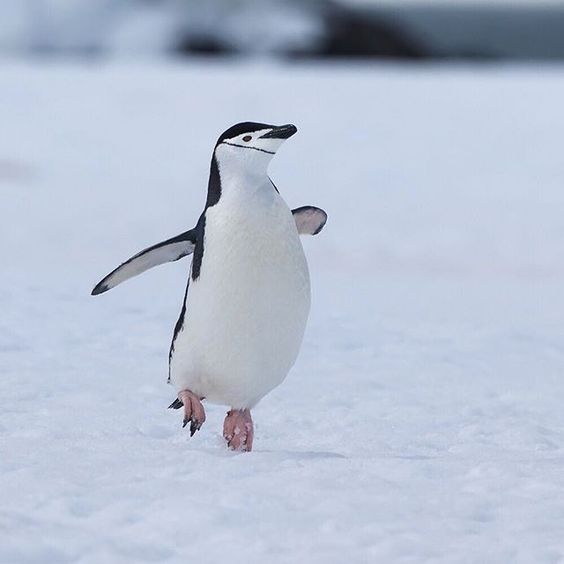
pixel 246 313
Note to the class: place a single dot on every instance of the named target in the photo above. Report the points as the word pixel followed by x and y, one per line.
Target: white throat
pixel 244 161
pixel 242 171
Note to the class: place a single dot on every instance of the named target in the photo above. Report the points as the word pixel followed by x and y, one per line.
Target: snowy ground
pixel 424 420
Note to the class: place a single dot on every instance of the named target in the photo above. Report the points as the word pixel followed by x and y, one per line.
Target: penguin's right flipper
pixel 167 251
pixel 309 220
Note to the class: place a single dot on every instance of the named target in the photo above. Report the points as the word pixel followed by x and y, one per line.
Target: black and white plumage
pixel 167 251
pixel 248 295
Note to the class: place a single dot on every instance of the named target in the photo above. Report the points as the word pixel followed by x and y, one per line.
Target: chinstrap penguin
pixel 248 293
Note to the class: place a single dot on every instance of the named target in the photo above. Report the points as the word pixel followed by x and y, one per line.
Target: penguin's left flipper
pixel 167 251
pixel 309 220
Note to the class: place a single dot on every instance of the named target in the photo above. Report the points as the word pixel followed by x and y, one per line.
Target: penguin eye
pixel 247 138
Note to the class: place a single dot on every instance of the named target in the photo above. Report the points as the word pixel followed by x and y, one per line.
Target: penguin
pixel 247 298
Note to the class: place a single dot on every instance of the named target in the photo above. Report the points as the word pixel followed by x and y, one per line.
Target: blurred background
pixel 423 421
pixel 286 29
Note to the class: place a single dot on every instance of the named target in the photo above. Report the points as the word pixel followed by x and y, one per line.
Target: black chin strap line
pixel 246 147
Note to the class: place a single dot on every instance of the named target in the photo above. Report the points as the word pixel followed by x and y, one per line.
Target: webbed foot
pixel 193 410
pixel 238 430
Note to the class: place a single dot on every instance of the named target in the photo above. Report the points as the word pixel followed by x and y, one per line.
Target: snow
pixel 423 421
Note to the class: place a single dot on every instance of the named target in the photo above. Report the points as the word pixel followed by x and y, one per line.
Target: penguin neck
pixel 234 178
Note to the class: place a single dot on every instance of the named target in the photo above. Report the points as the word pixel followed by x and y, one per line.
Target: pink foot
pixel 193 410
pixel 238 429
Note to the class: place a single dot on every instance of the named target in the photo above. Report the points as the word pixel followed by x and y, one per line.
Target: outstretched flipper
pixel 167 251
pixel 309 220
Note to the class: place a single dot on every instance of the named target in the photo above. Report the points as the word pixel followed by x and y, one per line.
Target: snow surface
pixel 424 420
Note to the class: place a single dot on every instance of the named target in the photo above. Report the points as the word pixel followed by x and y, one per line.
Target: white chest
pixel 247 311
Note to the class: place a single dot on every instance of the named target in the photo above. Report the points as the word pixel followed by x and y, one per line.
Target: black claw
pixel 185 422
pixel 193 427
pixel 176 404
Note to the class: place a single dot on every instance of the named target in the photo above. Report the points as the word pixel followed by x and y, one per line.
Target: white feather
pixel 246 313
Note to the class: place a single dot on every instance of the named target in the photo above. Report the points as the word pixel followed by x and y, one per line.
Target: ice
pixel 423 421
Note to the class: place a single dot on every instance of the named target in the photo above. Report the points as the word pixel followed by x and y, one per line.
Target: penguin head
pixel 251 145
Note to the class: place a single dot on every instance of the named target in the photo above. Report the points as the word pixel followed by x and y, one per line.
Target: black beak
pixel 281 132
